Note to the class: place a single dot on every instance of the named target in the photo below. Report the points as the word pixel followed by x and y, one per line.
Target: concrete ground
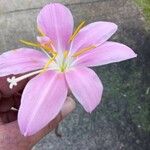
pixel 122 120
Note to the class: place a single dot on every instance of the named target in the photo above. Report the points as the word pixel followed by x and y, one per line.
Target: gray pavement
pixel 121 121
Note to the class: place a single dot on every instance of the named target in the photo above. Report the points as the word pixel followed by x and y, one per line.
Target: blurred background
pixel 122 121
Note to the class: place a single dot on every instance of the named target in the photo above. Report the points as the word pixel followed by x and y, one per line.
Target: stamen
pixel 76 31
pixel 38 45
pixel 66 53
pixel 13 81
pixel 48 63
pixel 40 31
pixel 49 43
pixel 30 43
pixel 48 55
pixel 80 52
pixel 49 49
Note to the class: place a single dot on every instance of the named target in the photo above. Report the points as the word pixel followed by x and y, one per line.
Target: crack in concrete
pixel 36 8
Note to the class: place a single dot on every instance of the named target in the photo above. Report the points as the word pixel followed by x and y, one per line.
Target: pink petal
pixel 93 34
pixel 85 86
pixel 20 61
pixel 109 52
pixel 41 101
pixel 43 39
pixel 56 21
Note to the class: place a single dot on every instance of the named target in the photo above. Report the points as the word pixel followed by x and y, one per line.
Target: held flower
pixel 63 65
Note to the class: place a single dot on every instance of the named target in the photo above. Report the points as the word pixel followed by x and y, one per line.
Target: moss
pixel 123 97
pixel 145 6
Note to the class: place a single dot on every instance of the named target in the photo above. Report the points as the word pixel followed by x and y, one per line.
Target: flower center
pixel 63 60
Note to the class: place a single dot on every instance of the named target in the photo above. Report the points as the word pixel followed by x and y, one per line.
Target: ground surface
pixel 122 120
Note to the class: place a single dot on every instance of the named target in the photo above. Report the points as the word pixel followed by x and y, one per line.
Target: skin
pixel 10 136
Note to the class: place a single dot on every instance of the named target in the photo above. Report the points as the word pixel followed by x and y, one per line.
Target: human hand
pixel 10 136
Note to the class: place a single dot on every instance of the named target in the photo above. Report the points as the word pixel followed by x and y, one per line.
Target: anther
pixel 76 31
pixel 82 51
pixel 66 53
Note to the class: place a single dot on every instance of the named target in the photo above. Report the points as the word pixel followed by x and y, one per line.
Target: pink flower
pixel 63 66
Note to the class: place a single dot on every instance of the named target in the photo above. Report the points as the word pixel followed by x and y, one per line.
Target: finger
pixel 17 100
pixel 0 95
pixel 9 116
pixel 1 122
pixel 12 131
pixel 6 104
pixel 4 86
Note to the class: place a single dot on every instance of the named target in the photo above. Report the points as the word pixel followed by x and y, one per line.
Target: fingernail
pixel 68 107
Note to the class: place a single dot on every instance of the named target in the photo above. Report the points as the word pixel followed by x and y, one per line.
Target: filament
pixel 48 63
pixel 76 31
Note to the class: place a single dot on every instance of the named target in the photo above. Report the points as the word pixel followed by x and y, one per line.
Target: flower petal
pixel 56 21
pixel 109 52
pixel 43 39
pixel 20 61
pixel 41 101
pixel 85 86
pixel 93 34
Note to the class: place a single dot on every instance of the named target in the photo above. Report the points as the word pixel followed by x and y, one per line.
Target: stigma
pixel 14 81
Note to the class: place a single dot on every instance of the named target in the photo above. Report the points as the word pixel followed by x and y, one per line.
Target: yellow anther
pixel 30 43
pixel 66 53
pixel 50 43
pixel 40 31
pixel 76 31
pixel 48 49
pixel 48 63
pixel 82 51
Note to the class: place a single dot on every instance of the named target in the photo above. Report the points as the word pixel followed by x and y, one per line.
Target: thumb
pixel 67 108
pixel 15 140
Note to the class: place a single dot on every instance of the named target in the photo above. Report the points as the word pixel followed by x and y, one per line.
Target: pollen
pixel 76 31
